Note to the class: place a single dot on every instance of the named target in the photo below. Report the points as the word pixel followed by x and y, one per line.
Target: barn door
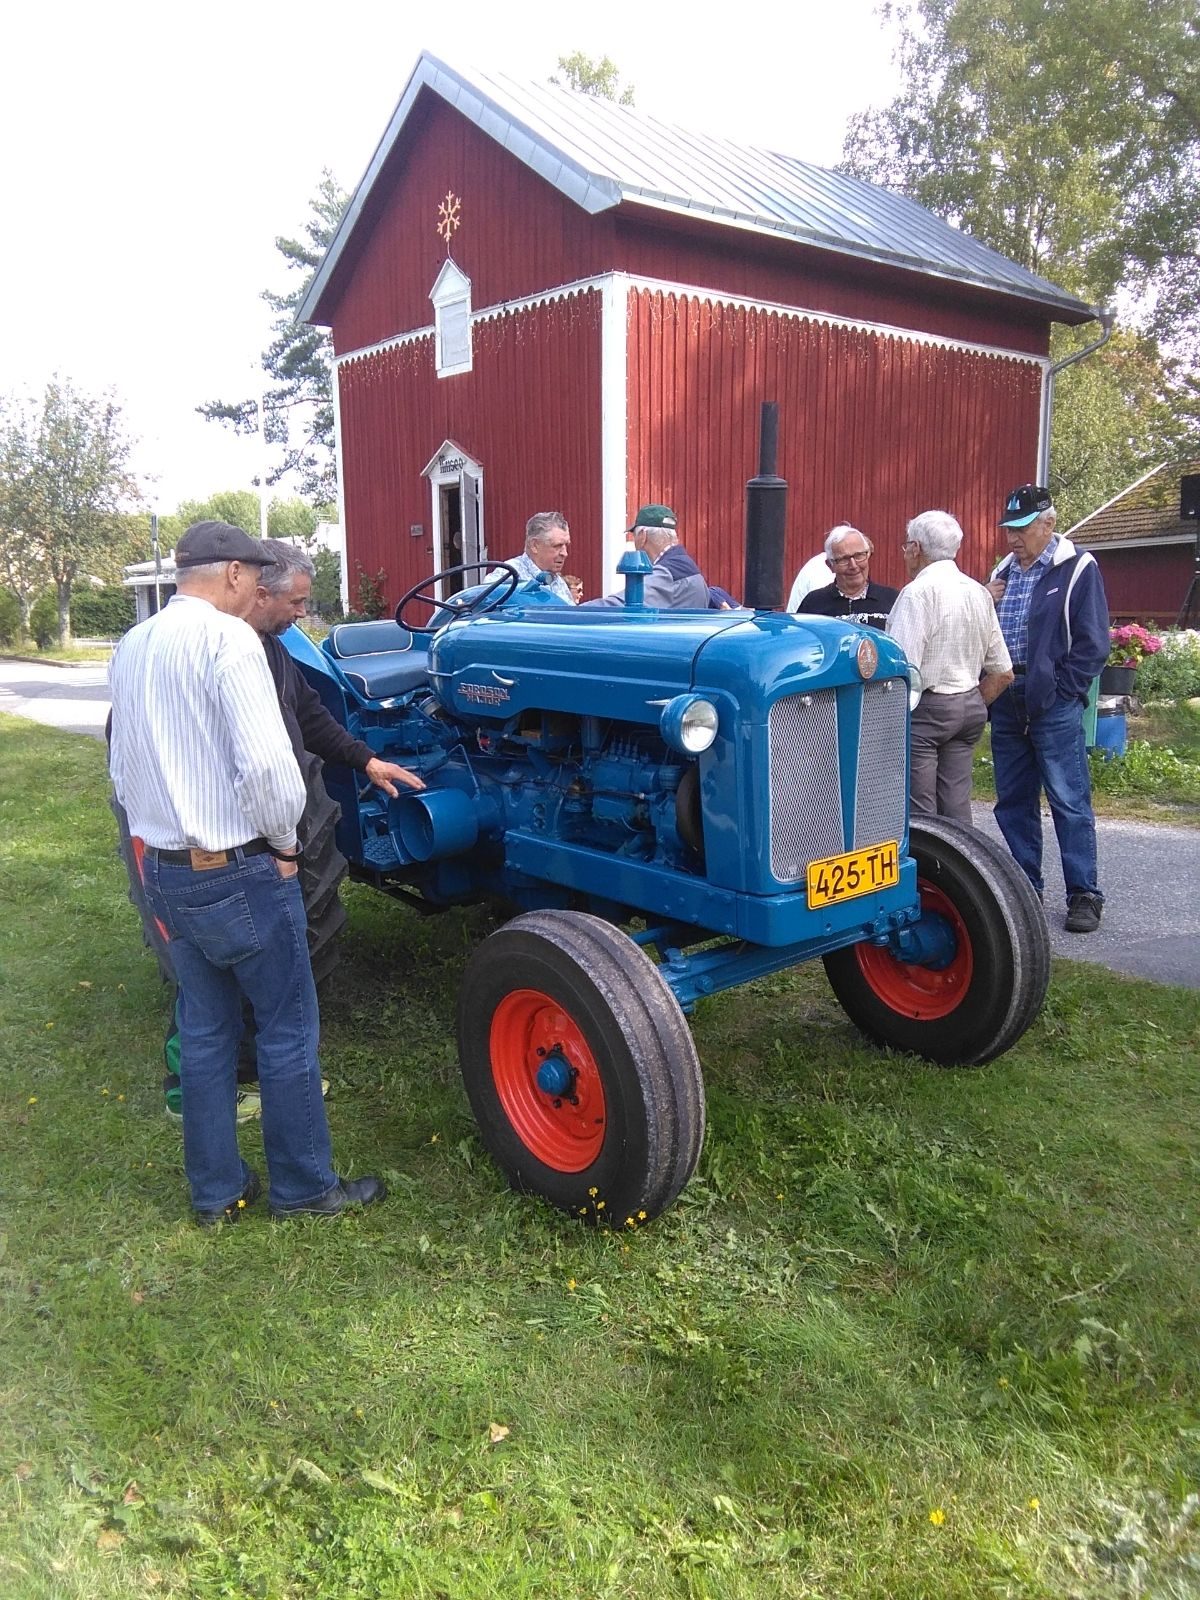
pixel 472 543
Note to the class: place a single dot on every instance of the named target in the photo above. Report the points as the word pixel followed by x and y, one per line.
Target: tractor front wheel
pixel 979 1001
pixel 580 1067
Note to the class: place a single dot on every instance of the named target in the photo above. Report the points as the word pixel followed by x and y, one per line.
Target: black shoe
pixel 1083 913
pixel 347 1192
pixel 233 1213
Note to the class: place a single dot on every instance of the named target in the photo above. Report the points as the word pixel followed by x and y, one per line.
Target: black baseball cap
pixel 219 541
pixel 1024 505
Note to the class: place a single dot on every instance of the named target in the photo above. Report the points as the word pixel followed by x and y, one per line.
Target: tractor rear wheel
pixel 982 1001
pixel 580 1067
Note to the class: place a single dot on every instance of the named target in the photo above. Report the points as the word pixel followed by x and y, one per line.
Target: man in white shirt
pixel 547 546
pixel 202 762
pixel 946 625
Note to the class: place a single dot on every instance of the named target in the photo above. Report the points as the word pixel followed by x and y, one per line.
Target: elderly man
pixel 851 594
pixel 676 583
pixel 281 598
pixel 946 625
pixel 202 763
pixel 547 546
pixel 1054 616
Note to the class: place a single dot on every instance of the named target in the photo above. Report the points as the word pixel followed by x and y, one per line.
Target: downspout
pixel 1108 321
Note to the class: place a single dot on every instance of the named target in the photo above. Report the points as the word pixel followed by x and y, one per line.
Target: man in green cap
pixel 676 584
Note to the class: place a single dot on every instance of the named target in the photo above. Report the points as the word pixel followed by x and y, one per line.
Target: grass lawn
pixel 77 655
pixel 909 1333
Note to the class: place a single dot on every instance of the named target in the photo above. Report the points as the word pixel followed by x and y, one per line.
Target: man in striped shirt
pixel 202 762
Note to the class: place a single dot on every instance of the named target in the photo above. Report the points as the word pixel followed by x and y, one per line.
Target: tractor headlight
pixel 915 686
pixel 689 723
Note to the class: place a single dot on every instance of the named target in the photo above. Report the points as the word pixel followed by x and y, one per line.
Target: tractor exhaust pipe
pixel 766 520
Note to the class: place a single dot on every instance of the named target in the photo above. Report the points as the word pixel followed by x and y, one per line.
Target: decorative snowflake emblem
pixel 449 216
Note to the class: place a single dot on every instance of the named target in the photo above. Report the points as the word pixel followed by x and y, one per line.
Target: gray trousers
pixel 945 731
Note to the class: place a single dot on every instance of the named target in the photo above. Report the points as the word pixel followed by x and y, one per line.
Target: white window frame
pixel 451 292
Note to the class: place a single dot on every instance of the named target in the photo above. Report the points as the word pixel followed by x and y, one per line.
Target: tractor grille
pixel 806 792
pixel 880 810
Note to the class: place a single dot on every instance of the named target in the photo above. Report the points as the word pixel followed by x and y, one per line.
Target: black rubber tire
pixel 1010 948
pixel 642 1047
pixel 322 869
pixel 321 872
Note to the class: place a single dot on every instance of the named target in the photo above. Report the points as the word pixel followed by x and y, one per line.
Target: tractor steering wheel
pixel 487 599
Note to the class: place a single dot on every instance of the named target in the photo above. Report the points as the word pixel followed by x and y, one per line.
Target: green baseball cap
pixel 653 517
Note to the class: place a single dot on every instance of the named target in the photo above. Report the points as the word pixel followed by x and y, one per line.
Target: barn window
pixel 451 296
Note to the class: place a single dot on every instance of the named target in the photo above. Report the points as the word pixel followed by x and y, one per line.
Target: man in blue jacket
pixel 1054 617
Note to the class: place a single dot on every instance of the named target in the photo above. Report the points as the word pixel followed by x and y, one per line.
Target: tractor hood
pixel 622 663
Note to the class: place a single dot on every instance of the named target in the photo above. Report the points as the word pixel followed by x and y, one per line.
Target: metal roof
pixel 600 154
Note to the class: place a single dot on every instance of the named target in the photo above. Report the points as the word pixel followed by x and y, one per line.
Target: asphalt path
pixel 1150 873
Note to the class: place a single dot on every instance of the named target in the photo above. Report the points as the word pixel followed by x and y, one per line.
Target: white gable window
pixel 451 296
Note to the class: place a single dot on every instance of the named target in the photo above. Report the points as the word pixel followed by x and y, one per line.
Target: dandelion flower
pixel 937 1516
pixel 32 1101
pixel 571 1285
pixel 1034 1502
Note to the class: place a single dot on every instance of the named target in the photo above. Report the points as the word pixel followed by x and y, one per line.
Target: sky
pixel 153 153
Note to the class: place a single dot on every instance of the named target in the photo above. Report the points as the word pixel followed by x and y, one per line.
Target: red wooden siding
pixel 781 271
pixel 518 236
pixel 873 429
pixel 1146 584
pixel 529 413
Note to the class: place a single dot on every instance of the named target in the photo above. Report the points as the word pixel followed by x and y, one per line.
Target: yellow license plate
pixel 857 872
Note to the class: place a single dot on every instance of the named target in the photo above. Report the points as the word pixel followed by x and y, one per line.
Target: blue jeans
pixel 1044 752
pixel 241 930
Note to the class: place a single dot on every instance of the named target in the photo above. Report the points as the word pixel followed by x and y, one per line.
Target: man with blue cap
pixel 1054 617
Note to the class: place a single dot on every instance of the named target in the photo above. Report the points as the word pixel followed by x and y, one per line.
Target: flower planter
pixel 1118 680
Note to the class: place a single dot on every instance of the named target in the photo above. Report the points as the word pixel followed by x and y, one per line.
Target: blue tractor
pixel 672 803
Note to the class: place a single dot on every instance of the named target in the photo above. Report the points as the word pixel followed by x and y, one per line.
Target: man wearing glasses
pixel 851 594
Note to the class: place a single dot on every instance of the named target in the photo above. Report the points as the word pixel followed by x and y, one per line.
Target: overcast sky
pixel 153 152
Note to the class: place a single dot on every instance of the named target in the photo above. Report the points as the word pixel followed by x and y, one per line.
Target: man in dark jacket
pixel 851 594
pixel 676 584
pixel 1054 617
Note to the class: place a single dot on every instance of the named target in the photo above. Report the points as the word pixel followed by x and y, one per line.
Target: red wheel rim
pixel 921 992
pixel 564 1133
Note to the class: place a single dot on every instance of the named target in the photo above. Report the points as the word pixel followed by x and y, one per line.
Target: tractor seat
pixel 379 659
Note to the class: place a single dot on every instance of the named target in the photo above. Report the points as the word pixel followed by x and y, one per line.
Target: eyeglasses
pixel 846 561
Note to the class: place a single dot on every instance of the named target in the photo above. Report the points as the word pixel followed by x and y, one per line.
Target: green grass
pixel 1158 778
pixel 75 656
pixel 909 1333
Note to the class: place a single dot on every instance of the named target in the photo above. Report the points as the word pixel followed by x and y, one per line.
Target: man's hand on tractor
pixel 386 774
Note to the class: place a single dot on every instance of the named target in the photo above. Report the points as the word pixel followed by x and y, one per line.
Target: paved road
pixel 74 699
pixel 1150 873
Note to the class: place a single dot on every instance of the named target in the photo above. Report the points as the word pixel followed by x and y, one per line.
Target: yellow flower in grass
pixel 937 1516
pixel 32 1101
pixel 1034 1503
pixel 571 1285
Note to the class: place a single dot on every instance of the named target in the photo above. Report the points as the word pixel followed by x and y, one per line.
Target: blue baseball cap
pixel 1025 505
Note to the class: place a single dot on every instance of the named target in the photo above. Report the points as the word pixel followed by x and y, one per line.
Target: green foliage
pixel 298 401
pixel 103 613
pixel 326 599
pixel 1174 673
pixel 240 507
pixel 1114 415
pixel 292 519
pixel 370 602
pixel 65 482
pixel 890 1291
pixel 1146 769
pixel 10 617
pixel 1066 134
pixel 600 79
pixel 43 620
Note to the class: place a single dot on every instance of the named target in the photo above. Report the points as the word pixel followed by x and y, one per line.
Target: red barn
pixel 1147 541
pixel 540 300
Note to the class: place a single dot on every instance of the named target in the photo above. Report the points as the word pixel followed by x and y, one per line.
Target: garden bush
pixel 43 620
pixel 1174 673
pixel 10 617
pixel 103 613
